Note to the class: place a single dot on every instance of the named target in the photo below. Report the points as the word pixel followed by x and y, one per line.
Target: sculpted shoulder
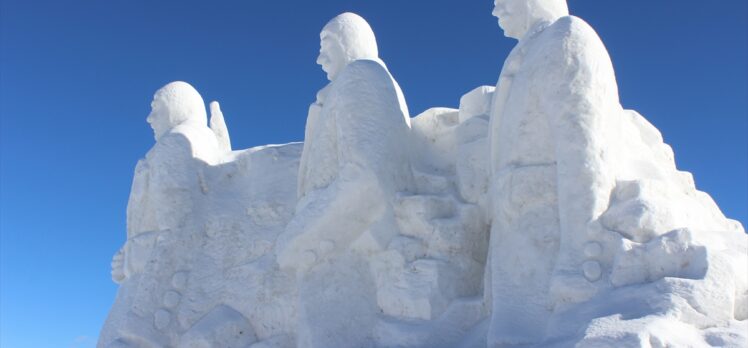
pixel 200 141
pixel 185 142
pixel 572 31
pixel 570 41
pixel 169 146
pixel 572 26
pixel 364 71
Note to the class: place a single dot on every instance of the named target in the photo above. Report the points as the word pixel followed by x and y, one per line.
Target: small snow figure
pixel 164 182
pixel 166 190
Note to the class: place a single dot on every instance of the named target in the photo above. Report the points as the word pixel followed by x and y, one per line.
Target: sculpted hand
pixel 292 250
pixel 118 266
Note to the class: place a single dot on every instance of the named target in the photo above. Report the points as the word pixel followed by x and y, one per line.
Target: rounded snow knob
pixel 171 299
pixel 179 280
pixel 161 319
pixel 592 270
pixel 308 258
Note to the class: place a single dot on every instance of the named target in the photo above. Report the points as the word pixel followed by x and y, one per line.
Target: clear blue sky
pixel 77 76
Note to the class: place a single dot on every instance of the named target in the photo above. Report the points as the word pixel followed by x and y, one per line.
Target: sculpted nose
pixel 498 10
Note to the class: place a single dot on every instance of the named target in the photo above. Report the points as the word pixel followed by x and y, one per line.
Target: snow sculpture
pixel 560 144
pixel 353 163
pixel 375 232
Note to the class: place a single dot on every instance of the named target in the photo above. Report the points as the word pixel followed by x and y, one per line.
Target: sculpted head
pixel 175 104
pixel 345 38
pixel 517 17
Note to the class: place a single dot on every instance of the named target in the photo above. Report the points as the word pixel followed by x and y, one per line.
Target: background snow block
pixel 472 168
pixel 671 255
pixel 426 287
pixel 476 102
pixel 643 209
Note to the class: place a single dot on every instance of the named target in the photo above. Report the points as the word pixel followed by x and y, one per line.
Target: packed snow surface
pixel 540 213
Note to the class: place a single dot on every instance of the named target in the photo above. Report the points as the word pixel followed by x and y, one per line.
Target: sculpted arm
pixel 160 199
pixel 372 132
pixel 218 126
pixel 582 97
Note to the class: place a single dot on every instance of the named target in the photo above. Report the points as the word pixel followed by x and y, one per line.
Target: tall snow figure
pixel 354 161
pixel 581 186
pixel 554 86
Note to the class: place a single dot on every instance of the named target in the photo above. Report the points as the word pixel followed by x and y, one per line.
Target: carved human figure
pixel 353 162
pixel 353 145
pixel 548 180
pixel 169 175
pixel 581 188
pixel 345 39
pixel 168 186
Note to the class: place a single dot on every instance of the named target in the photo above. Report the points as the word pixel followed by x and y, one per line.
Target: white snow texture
pixel 539 214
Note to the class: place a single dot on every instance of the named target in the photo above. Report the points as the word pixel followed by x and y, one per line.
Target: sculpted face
pixel 159 117
pixel 345 38
pixel 517 17
pixel 331 54
pixel 175 104
pixel 512 15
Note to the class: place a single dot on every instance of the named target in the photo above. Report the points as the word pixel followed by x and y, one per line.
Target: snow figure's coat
pixel 562 149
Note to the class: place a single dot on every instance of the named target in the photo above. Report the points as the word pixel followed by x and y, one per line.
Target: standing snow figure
pixel 586 197
pixel 545 114
pixel 354 161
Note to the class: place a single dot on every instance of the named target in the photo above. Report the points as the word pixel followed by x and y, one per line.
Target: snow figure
pixel 589 215
pixel 160 199
pixel 354 162
pixel 345 39
pixel 198 269
pixel 165 190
